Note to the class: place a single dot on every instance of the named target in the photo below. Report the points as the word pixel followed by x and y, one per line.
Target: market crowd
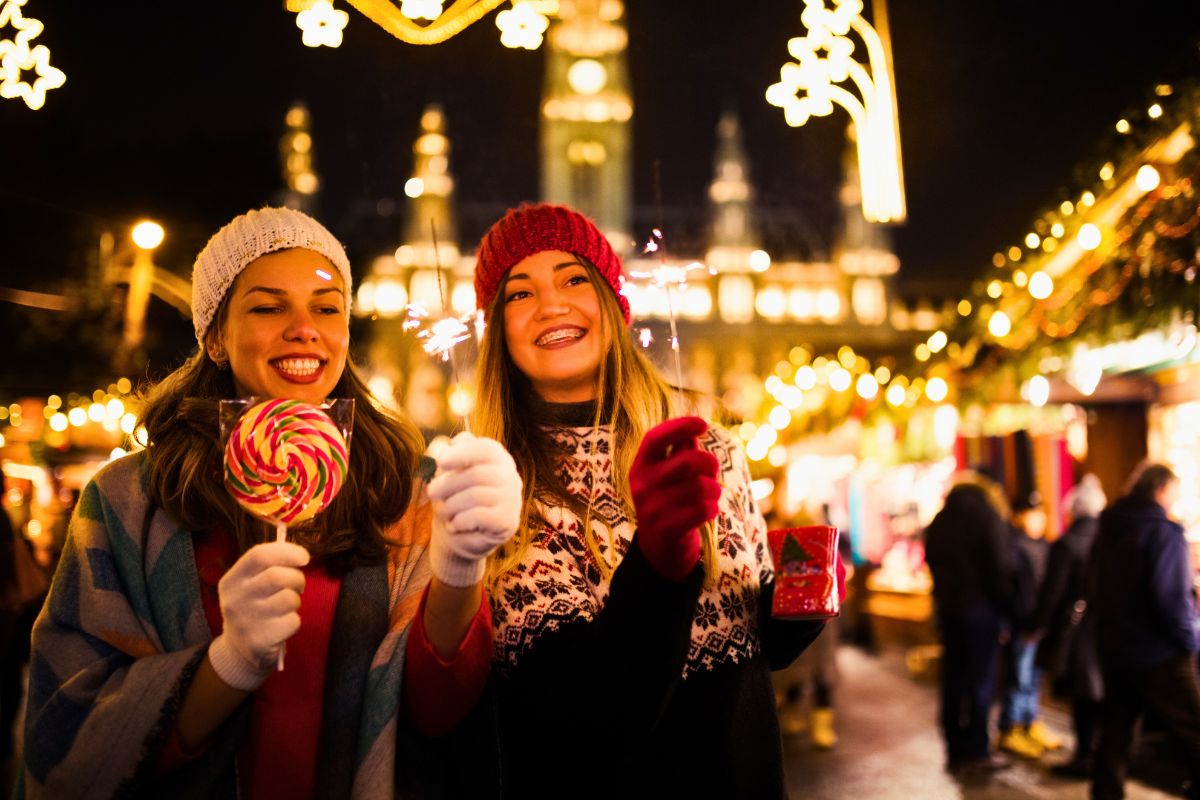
pixel 1105 617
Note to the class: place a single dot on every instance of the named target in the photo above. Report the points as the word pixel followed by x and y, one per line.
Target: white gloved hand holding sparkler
pixel 477 498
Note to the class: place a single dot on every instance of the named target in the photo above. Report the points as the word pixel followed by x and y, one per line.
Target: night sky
pixel 174 111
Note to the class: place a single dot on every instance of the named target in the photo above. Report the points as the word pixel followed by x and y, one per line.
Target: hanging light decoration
pixel 810 86
pixel 17 57
pixel 322 24
pixel 522 26
pixel 999 325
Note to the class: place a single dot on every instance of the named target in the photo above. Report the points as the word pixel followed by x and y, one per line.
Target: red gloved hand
pixel 675 490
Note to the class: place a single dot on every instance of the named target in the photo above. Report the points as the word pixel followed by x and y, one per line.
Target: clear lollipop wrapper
pixel 285 460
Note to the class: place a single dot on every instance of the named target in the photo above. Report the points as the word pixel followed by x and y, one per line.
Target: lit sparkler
pixel 665 276
pixel 480 326
pixel 440 335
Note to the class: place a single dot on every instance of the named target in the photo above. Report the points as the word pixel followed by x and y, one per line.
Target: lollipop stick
pixel 280 536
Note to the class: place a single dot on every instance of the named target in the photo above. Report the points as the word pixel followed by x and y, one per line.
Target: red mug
pixel 806 560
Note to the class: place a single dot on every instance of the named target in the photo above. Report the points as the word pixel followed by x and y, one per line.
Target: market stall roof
pixel 1104 283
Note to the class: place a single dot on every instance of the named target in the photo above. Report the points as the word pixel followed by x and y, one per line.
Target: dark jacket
pixel 1143 594
pixel 1067 650
pixel 1030 557
pixel 969 553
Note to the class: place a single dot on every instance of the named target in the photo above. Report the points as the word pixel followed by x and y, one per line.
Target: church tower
pixel 732 236
pixel 586 111
pixel 401 374
pixel 296 157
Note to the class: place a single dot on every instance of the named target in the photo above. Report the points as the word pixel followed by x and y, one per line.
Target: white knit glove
pixel 476 507
pixel 260 598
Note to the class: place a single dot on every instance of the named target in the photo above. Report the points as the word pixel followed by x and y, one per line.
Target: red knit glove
pixel 675 490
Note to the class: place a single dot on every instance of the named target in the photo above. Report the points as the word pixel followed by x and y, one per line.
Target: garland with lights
pixel 426 22
pixel 112 408
pixel 1117 277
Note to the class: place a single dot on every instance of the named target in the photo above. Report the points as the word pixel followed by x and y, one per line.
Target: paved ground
pixel 890 748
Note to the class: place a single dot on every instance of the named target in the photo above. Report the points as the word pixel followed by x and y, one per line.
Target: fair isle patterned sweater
pixel 659 677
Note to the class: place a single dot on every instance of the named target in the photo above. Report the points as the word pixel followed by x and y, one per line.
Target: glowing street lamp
pixel 146 236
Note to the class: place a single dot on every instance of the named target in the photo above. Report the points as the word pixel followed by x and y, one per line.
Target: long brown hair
pixel 185 476
pixel 630 396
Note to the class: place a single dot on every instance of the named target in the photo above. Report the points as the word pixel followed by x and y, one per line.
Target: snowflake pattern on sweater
pixel 559 581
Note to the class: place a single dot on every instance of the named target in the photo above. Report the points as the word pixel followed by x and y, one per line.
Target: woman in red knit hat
pixel 632 608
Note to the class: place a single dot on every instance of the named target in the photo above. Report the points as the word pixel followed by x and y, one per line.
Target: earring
pixel 220 359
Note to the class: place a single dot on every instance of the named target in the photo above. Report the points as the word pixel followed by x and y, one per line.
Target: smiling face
pixel 553 325
pixel 285 332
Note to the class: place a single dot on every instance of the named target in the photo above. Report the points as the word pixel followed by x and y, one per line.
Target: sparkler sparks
pixel 667 276
pixel 441 335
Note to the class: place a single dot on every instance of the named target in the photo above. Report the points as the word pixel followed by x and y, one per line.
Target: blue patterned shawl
pixel 123 631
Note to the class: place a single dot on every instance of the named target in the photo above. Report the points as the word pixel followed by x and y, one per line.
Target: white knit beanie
pixel 255 234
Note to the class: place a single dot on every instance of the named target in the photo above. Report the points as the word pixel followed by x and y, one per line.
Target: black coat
pixel 1030 558
pixel 1143 594
pixel 969 552
pixel 1068 649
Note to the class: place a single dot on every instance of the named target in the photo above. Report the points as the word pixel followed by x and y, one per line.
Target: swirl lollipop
pixel 284 462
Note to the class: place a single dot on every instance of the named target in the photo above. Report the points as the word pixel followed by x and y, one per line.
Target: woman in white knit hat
pixel 153 659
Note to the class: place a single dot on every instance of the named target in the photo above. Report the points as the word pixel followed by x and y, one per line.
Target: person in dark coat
pixel 1145 605
pixel 1067 649
pixel 1021 732
pixel 969 555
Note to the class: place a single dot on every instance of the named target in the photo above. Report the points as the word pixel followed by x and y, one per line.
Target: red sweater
pixel 438 693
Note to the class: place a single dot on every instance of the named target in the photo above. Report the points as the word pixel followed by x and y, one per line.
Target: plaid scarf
pixel 123 632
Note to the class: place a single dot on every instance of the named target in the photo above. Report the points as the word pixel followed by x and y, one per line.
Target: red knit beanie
pixel 532 229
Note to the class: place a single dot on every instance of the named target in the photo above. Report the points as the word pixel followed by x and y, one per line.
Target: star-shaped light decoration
pixel 421 9
pixel 322 24
pixel 813 84
pixel 17 56
pixel 522 26
pixel 814 74
pixel 836 19
pixel 14 60
pixel 27 28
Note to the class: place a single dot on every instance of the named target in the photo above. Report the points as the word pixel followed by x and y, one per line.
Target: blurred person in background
pixel 968 550
pixel 1064 629
pixel 1021 732
pixel 1144 600
pixel 23 585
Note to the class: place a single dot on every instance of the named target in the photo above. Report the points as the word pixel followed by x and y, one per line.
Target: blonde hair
pixel 991 490
pixel 628 386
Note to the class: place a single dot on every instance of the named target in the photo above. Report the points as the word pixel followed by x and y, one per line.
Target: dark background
pixel 174 111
